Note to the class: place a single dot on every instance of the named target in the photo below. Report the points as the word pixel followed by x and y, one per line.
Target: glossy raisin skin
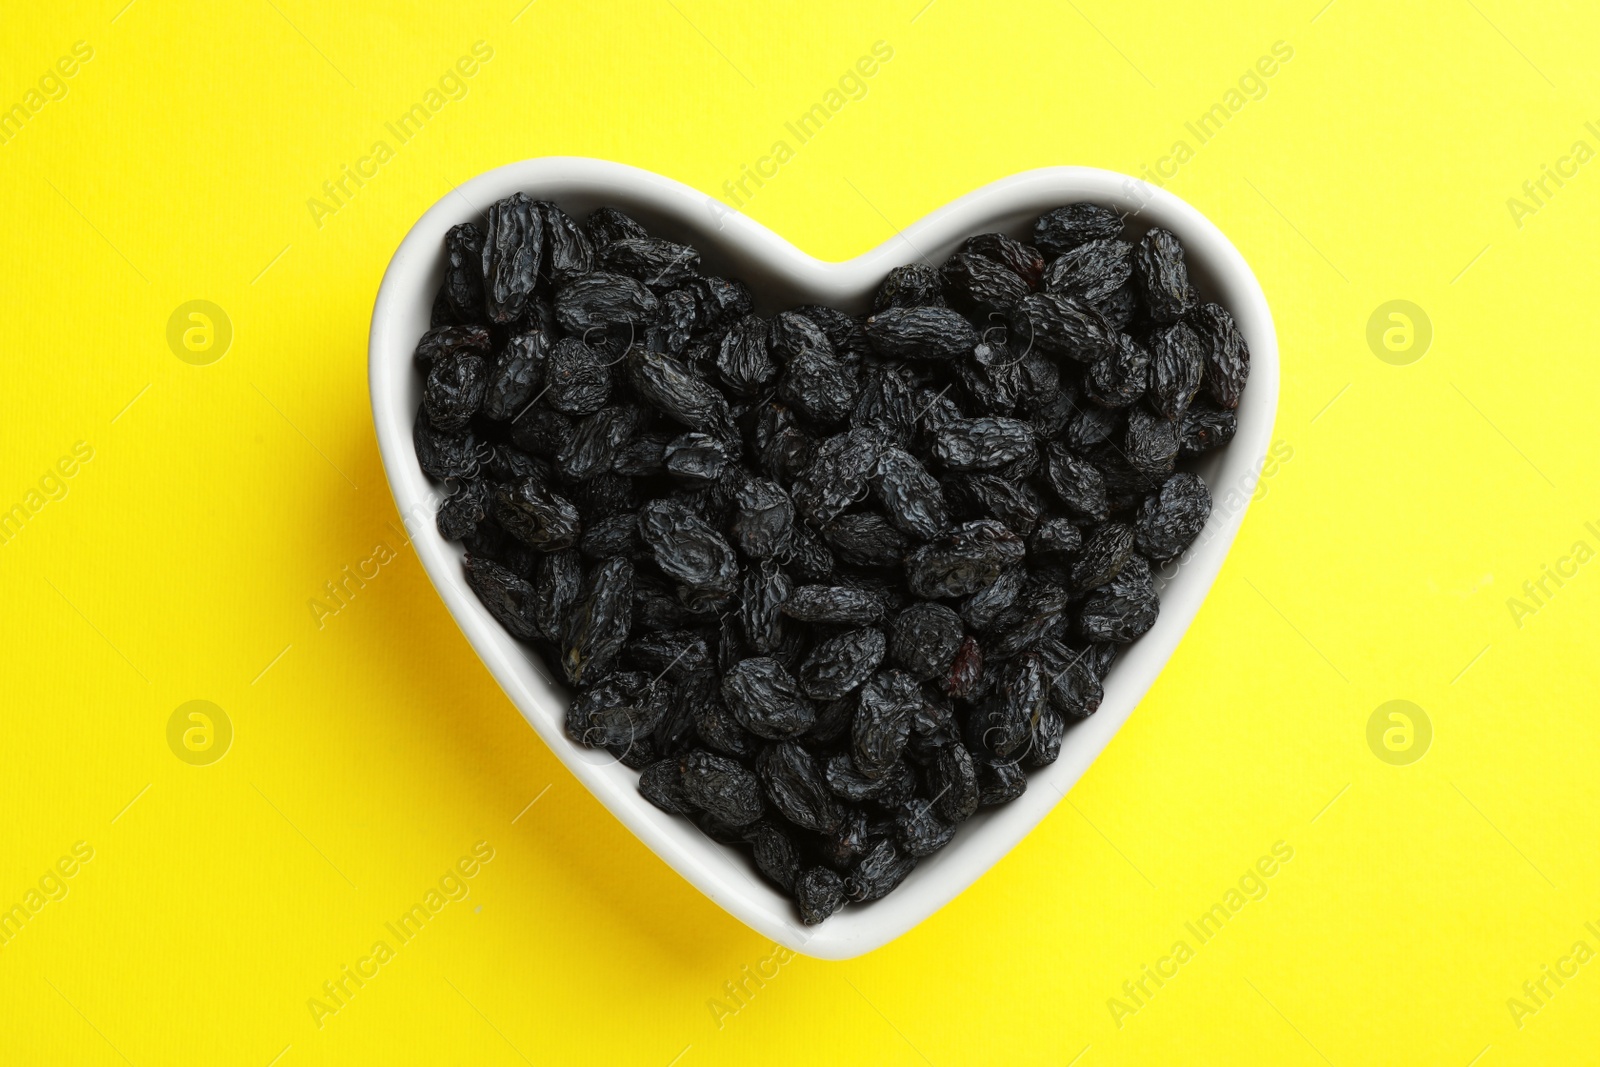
pixel 830 582
pixel 512 252
pixel 1163 276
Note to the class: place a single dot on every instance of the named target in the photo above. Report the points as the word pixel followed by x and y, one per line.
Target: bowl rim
pixel 408 285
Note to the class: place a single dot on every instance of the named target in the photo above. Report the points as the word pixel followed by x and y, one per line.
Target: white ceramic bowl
pixel 782 276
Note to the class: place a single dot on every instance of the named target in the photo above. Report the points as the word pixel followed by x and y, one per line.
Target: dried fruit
pixel 527 510
pixel 1061 326
pixel 842 604
pixel 517 375
pixel 509 598
pixel 883 721
pixel 1204 428
pixel 576 379
pixel 982 444
pixel 463 273
pixel 835 667
pixel 925 639
pixel 1176 364
pixel 723 787
pixel 921 333
pixel 910 286
pixel 1065 228
pixel 964 561
pixel 743 360
pixel 910 496
pixel 1172 518
pixel 766 699
pixel 1163 276
pixel 818 892
pixel 1227 357
pixel 511 256
pixel 828 582
pixel 454 390
pixel 795 787
pixel 1024 260
pixel 689 550
pixel 659 264
pixel 598 623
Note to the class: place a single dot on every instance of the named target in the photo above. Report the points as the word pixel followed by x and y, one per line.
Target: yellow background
pixel 371 753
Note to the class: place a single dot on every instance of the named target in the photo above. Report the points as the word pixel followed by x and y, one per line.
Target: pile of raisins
pixel 831 583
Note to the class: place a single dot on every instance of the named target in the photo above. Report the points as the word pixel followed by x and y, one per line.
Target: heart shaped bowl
pixel 782 276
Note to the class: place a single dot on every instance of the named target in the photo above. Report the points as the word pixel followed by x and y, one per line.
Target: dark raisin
pixel 509 598
pixel 1227 357
pixel 837 666
pixel 842 604
pixel 982 444
pixel 743 361
pixel 463 273
pixel 913 285
pixel 1120 377
pixel 462 510
pixel 776 854
pixel 659 264
pixel 843 331
pixel 557 584
pixel 590 449
pixel 836 476
pixel 518 374
pixel 865 539
pixel 818 892
pixel 689 550
pixel 925 639
pixel 921 333
pixel 883 721
pixel 766 699
pixel 598 623
pixel 966 669
pixel 675 390
pixel 454 391
pixel 980 286
pixel 1172 518
pixel 594 302
pixel 1092 271
pixel 576 379
pixel 695 456
pixel 1055 536
pixel 1151 442
pixel 723 787
pixel 1205 427
pixel 999 781
pixel 1066 228
pixel 1163 276
pixel 954 779
pixel 964 561
pixel 795 786
pixel 1022 259
pixel 919 829
pixel 909 495
pixel 1105 550
pixel 661 783
pixel 818 386
pixel 607 224
pixel 1124 609
pixel 877 874
pixel 1061 326
pixel 1176 364
pixel 512 250
pixel 527 510
pixel 568 253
